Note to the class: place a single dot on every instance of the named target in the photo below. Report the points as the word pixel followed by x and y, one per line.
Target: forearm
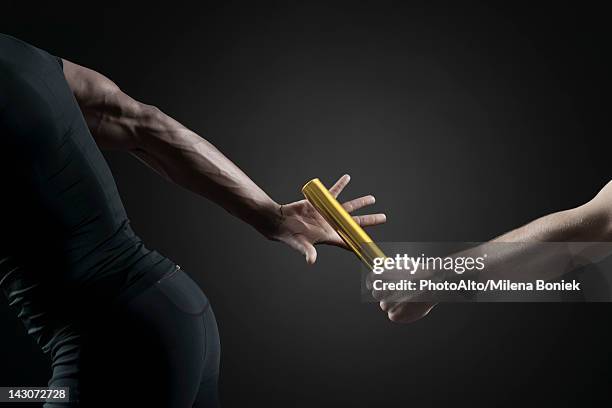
pixel 554 244
pixel 192 162
pixel 119 122
pixel 584 223
pixel 543 249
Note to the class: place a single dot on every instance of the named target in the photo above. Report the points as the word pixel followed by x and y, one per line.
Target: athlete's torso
pixel 65 243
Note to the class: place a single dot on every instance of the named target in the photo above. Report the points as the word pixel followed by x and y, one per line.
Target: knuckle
pixel 394 317
pixel 397 313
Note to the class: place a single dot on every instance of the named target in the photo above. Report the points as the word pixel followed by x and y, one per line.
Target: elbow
pixel 596 216
pixel 149 114
pixel 142 122
pixel 603 200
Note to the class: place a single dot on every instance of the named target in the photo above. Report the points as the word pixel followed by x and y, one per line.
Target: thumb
pixel 303 246
pixel 309 251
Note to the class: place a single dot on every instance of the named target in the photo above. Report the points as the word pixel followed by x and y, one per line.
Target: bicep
pixel 109 112
pixel 90 88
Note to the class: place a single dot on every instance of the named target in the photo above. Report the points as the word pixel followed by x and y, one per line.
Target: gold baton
pixel 342 222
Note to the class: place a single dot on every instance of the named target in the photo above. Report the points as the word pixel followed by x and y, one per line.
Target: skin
pixel 119 122
pixel 588 227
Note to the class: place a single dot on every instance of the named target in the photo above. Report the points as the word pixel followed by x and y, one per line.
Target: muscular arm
pixel 119 122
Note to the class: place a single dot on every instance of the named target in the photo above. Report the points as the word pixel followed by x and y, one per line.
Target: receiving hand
pixel 302 227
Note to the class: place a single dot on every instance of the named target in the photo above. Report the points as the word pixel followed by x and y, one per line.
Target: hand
pixel 401 306
pixel 302 227
pixel 406 312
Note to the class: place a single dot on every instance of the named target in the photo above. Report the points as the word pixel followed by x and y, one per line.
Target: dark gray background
pixel 463 121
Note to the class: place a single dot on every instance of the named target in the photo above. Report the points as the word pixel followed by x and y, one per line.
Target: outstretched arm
pixel 590 222
pixel 119 122
pixel 588 225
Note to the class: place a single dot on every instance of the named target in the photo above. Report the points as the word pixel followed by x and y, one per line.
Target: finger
pixel 379 294
pixel 393 296
pixel 369 280
pixel 335 240
pixel 409 312
pixel 340 184
pixel 385 306
pixel 374 283
pixel 311 254
pixel 308 250
pixel 370 219
pixel 358 203
pixel 398 295
pixel 302 245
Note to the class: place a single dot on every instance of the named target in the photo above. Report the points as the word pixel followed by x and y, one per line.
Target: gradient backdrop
pixel 464 122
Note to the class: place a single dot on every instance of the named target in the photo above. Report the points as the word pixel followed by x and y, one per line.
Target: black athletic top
pixel 66 245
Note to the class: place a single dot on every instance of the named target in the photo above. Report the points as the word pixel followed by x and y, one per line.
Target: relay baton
pixel 341 221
